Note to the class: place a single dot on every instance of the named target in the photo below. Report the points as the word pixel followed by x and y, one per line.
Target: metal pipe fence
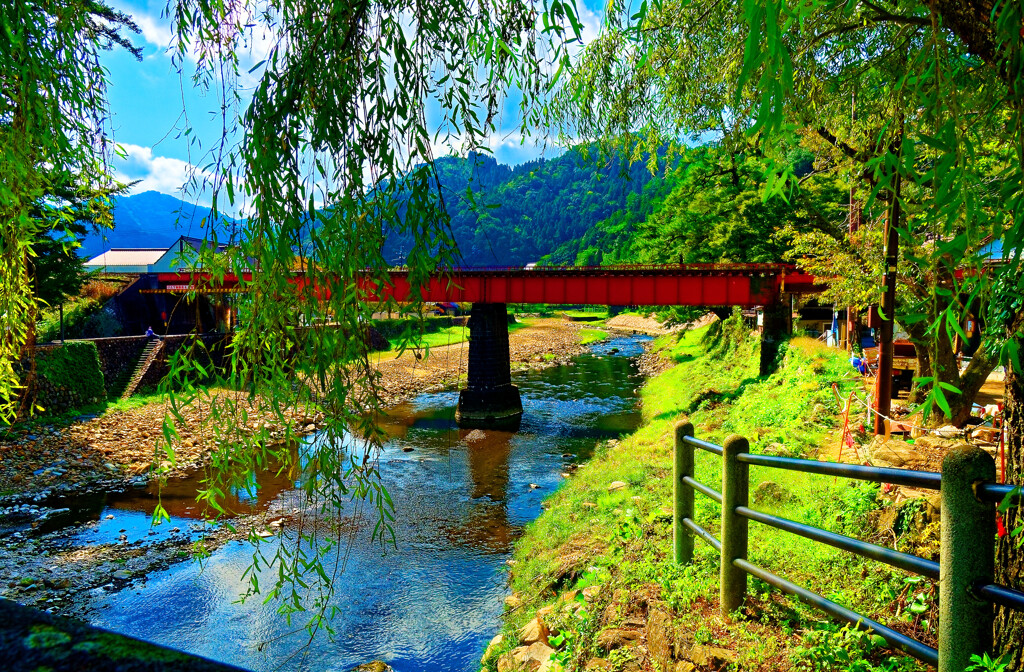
pixel 966 564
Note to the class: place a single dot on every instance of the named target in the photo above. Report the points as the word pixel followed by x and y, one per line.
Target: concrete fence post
pixel 735 485
pixel 966 558
pixel 682 494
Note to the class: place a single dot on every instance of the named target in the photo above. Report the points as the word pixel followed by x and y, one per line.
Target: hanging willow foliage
pixel 332 155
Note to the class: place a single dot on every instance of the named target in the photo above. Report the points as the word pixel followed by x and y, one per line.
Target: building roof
pixel 143 256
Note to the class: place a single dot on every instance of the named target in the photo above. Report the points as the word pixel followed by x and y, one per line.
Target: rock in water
pixel 373 666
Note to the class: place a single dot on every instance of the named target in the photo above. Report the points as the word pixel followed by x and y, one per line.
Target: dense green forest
pixel 584 208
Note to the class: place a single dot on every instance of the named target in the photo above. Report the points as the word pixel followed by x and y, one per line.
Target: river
pixel 432 601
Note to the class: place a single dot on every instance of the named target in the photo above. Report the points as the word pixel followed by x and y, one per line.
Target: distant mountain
pixel 149 219
pixel 522 214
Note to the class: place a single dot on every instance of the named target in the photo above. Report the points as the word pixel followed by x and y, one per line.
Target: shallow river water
pixel 433 601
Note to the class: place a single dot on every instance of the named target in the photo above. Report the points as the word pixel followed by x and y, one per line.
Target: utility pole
pixel 883 382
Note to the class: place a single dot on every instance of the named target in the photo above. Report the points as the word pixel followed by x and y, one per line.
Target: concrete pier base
pixel 490 400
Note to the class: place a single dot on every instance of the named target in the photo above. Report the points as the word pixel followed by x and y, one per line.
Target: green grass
pixel 444 336
pixel 598 313
pixel 588 336
pixel 621 540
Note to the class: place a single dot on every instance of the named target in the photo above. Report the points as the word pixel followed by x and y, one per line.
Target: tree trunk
pixel 971 380
pixel 1009 626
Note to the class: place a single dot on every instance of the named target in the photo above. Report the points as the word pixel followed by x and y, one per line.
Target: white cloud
pixel 156 173
pixel 156 31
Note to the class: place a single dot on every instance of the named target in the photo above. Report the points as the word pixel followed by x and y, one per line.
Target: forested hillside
pixel 573 209
pixel 518 215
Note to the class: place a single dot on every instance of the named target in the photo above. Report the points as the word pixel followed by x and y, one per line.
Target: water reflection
pixel 461 497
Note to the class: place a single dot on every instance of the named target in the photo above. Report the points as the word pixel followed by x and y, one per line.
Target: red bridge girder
pixel 744 285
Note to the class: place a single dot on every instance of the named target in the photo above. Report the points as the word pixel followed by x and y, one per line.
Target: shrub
pixel 74 367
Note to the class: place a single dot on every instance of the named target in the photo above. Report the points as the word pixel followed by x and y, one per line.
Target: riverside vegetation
pixel 594 585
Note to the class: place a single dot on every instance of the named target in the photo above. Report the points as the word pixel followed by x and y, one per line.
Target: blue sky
pixel 149 102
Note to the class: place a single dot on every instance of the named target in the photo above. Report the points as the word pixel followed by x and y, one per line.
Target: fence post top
pixel 736 443
pixel 684 427
pixel 972 462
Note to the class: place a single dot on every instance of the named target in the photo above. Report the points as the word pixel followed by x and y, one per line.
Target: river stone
pixel 475 435
pixel 660 636
pixel 597 664
pixel 616 638
pixel 616 485
pixel 534 631
pixel 122 574
pixel 491 648
pixel 373 666
pixel 513 602
pixel 531 657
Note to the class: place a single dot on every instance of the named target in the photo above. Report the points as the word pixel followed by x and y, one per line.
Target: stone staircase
pixel 146 359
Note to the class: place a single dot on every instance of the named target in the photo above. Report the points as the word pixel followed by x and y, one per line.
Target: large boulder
pixel 617 638
pixel 882 452
pixel 534 631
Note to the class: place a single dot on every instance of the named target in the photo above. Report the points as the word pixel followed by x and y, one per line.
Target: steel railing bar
pixel 895 639
pixel 995 492
pixel 703 445
pixel 700 487
pixel 1003 596
pixel 703 534
pixel 931 480
pixel 905 561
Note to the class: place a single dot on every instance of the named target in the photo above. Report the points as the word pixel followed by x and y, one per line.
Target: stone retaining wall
pixel 69 384
pixel 216 350
pixel 118 356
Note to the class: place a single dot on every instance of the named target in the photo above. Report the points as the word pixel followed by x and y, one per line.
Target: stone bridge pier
pixel 776 326
pixel 490 400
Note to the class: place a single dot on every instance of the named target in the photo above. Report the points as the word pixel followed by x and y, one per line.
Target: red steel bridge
pixel 745 285
pixel 489 398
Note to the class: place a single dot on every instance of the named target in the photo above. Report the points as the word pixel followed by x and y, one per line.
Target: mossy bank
pixel 593 584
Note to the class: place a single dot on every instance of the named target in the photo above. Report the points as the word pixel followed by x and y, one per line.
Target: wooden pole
pixel 883 387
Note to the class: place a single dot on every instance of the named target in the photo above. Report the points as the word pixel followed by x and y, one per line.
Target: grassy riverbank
pixel 597 564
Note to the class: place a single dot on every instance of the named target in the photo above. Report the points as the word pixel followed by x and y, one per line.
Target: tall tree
pixel 929 94
pixel 53 131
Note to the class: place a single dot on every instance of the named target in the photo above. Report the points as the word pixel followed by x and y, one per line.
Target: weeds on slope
pixel 600 557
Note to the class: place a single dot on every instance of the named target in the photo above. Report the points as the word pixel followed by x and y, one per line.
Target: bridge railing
pixel 965 569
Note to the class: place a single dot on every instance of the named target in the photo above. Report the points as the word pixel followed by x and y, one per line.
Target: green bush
pixel 83 318
pixel 395 328
pixel 75 367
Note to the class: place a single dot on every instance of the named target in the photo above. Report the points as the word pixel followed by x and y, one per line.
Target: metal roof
pixel 128 257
